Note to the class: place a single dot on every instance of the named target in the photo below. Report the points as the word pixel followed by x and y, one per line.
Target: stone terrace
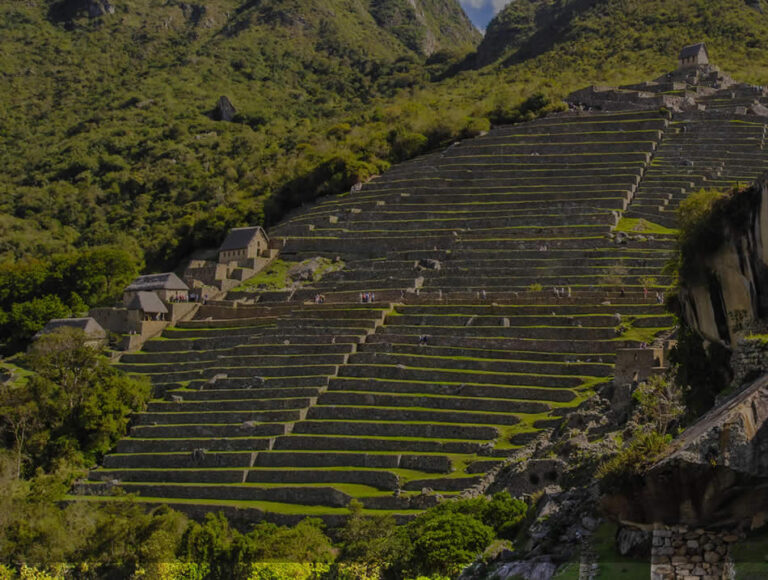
pixel 270 404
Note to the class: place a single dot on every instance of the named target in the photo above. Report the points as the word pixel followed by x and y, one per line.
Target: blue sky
pixel 480 12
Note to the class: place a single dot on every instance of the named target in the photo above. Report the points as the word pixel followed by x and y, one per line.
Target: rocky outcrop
pixel 726 291
pixel 225 110
pixel 69 9
pixel 715 475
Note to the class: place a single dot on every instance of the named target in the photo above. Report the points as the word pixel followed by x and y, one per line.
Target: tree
pixel 19 418
pixel 28 318
pixel 75 406
pixel 371 541
pixel 444 543
pixel 659 402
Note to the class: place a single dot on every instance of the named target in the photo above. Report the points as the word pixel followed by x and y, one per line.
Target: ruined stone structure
pixel 485 290
pixel 150 303
pixel 243 253
pixel 693 55
pixel 167 286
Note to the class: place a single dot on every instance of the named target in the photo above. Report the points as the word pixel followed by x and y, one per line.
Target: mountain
pixel 108 121
pixel 627 35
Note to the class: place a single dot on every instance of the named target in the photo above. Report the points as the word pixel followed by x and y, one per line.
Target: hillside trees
pixel 72 409
pixel 33 291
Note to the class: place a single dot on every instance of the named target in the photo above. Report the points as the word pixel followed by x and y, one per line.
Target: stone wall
pixel 728 291
pixel 749 360
pixel 678 552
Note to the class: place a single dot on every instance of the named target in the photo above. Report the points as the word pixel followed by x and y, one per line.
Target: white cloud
pixel 495 5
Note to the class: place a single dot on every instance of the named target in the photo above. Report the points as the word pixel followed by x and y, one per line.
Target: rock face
pixel 729 289
pixel 715 475
pixel 225 110
pixel 70 9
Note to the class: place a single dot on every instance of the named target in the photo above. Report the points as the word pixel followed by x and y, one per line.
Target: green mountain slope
pixel 106 127
pixel 627 35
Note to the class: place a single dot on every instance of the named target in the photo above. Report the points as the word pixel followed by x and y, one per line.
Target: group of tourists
pixel 562 292
pixel 367 297
pixel 319 299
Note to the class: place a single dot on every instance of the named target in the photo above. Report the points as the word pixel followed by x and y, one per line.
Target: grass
pixel 751 557
pixel 642 226
pixel 263 506
pixel 611 564
pixel 641 334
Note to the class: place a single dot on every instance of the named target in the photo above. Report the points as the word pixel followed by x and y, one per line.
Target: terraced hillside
pixel 502 293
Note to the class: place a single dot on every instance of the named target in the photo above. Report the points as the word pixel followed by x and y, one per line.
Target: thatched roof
pixel 164 281
pixel 88 325
pixel 147 302
pixel 693 50
pixel 239 238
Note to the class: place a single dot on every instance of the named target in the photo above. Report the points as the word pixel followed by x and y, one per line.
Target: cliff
pixel 724 284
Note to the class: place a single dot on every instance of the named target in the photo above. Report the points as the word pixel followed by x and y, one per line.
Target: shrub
pixel 636 456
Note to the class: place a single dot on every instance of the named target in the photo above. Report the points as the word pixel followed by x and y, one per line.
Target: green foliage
pixel 231 554
pixel 33 291
pixel 445 542
pixel 452 534
pixel 371 542
pixel 659 403
pixel 630 463
pixel 111 139
pixel 73 409
pixel 113 538
pixel 28 318
pixel 705 219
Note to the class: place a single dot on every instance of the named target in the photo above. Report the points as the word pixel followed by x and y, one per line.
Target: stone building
pixel 94 332
pixel 168 287
pixel 693 55
pixel 243 253
pixel 148 306
pixel 243 245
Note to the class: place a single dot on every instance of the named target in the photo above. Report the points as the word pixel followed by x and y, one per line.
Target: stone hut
pixel 693 55
pixel 243 244
pixel 149 306
pixel 93 330
pixel 168 287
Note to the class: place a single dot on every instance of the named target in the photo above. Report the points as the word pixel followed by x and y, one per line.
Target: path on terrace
pixel 288 408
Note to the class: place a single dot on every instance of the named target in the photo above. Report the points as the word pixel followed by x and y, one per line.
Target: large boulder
pixel 715 474
pixel 225 110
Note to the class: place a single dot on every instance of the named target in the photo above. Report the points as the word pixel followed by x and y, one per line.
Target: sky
pixel 480 12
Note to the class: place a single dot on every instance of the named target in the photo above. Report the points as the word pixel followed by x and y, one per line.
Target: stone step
pixel 457 402
pixel 515 355
pixel 208 430
pixel 282 459
pixel 486 364
pixel 243 394
pixel 302 495
pixel 223 417
pixel 403 373
pixel 166 445
pixel 374 428
pixel 263 404
pixel 337 413
pixel 341 443
pixel 201 460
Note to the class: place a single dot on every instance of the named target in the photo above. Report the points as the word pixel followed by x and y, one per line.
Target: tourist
pixel 645 293
pixel 569 291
